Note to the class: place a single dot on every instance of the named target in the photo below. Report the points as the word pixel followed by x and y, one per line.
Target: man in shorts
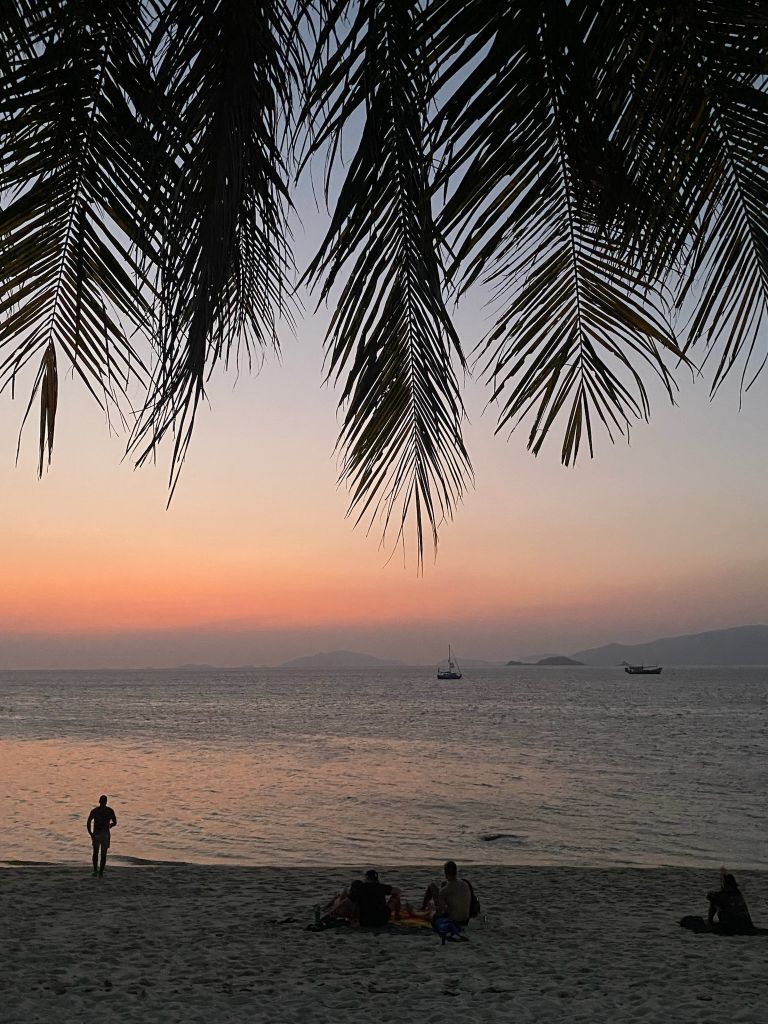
pixel 452 899
pixel 100 821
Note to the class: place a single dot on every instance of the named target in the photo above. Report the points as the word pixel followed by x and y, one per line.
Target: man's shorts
pixel 100 839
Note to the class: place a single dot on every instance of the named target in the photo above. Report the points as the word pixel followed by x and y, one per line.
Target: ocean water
pixel 571 766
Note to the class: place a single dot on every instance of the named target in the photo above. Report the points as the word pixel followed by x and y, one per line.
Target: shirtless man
pixel 102 818
pixel 452 898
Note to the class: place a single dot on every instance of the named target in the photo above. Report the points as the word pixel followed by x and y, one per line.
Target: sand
pixel 202 944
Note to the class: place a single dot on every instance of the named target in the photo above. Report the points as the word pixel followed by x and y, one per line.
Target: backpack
pixel 474 902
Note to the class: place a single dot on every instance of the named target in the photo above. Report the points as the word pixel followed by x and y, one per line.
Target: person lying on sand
pixel 451 899
pixel 728 911
pixel 368 901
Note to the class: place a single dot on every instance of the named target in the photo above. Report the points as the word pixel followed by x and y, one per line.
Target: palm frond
pixel 600 167
pixel 730 255
pixel 661 68
pixel 700 161
pixel 695 211
pixel 401 436
pixel 14 36
pixel 224 73
pixel 47 386
pixel 67 276
pixel 531 213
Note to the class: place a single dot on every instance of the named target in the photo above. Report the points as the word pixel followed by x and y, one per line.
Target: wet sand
pixel 173 943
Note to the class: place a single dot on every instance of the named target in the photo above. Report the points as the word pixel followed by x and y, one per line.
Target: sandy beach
pixel 168 943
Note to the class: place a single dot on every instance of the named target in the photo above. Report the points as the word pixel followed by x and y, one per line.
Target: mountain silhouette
pixel 740 645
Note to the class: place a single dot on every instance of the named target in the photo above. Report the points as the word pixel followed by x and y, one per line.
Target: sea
pixel 519 765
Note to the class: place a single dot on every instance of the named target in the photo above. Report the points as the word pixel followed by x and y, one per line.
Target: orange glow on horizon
pixel 150 595
pixel 142 599
pixel 93 587
pixel 255 539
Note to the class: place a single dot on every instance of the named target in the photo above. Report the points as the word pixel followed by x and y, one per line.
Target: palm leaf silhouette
pixel 598 168
pixel 224 75
pixel 402 426
pixel 72 191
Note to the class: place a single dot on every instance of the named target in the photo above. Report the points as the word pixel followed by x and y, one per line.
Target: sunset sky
pixel 255 563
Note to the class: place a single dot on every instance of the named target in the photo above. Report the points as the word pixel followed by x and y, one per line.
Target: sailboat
pixel 453 671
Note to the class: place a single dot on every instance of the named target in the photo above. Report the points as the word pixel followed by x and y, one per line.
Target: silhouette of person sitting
pixel 370 903
pixel 730 907
pixel 728 912
pixel 100 821
pixel 375 902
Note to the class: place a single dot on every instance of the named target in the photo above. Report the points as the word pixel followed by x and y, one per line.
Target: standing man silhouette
pixel 103 819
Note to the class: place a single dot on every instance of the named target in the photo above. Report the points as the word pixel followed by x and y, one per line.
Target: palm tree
pixel 599 167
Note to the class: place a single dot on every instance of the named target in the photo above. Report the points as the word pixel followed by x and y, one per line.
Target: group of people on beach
pixel 372 903
pixel 368 901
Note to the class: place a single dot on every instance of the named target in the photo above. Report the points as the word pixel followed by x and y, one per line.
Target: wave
pixel 124 858
pixel 14 863
pixel 121 858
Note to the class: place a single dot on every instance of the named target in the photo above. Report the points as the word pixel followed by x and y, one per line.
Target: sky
pixel 255 563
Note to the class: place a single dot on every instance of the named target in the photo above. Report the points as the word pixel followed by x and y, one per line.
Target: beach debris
pixel 492 837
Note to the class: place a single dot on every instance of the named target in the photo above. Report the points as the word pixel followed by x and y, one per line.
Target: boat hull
pixel 641 670
pixel 449 675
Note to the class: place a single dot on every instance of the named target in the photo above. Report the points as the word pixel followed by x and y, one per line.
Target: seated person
pixel 729 906
pixel 452 898
pixel 338 905
pixel 369 902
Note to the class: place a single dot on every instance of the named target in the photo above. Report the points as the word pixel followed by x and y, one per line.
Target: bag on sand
pixel 474 902
pixel 448 930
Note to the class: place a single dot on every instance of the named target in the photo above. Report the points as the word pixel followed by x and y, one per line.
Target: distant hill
pixel 339 659
pixel 470 663
pixel 557 659
pixel 741 645
pixel 202 667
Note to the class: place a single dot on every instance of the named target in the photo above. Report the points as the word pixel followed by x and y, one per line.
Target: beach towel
pixel 408 923
pixel 697 924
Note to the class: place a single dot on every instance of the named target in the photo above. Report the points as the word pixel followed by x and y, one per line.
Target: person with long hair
pixel 728 911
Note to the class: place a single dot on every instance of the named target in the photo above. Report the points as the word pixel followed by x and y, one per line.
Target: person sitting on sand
pixel 369 902
pixel 103 819
pixel 729 906
pixel 451 899
pixel 728 913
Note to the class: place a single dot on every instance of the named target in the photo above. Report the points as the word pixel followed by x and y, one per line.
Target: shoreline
pixel 125 862
pixel 200 943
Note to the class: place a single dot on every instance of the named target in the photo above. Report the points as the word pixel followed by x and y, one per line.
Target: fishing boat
pixel 642 670
pixel 453 671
